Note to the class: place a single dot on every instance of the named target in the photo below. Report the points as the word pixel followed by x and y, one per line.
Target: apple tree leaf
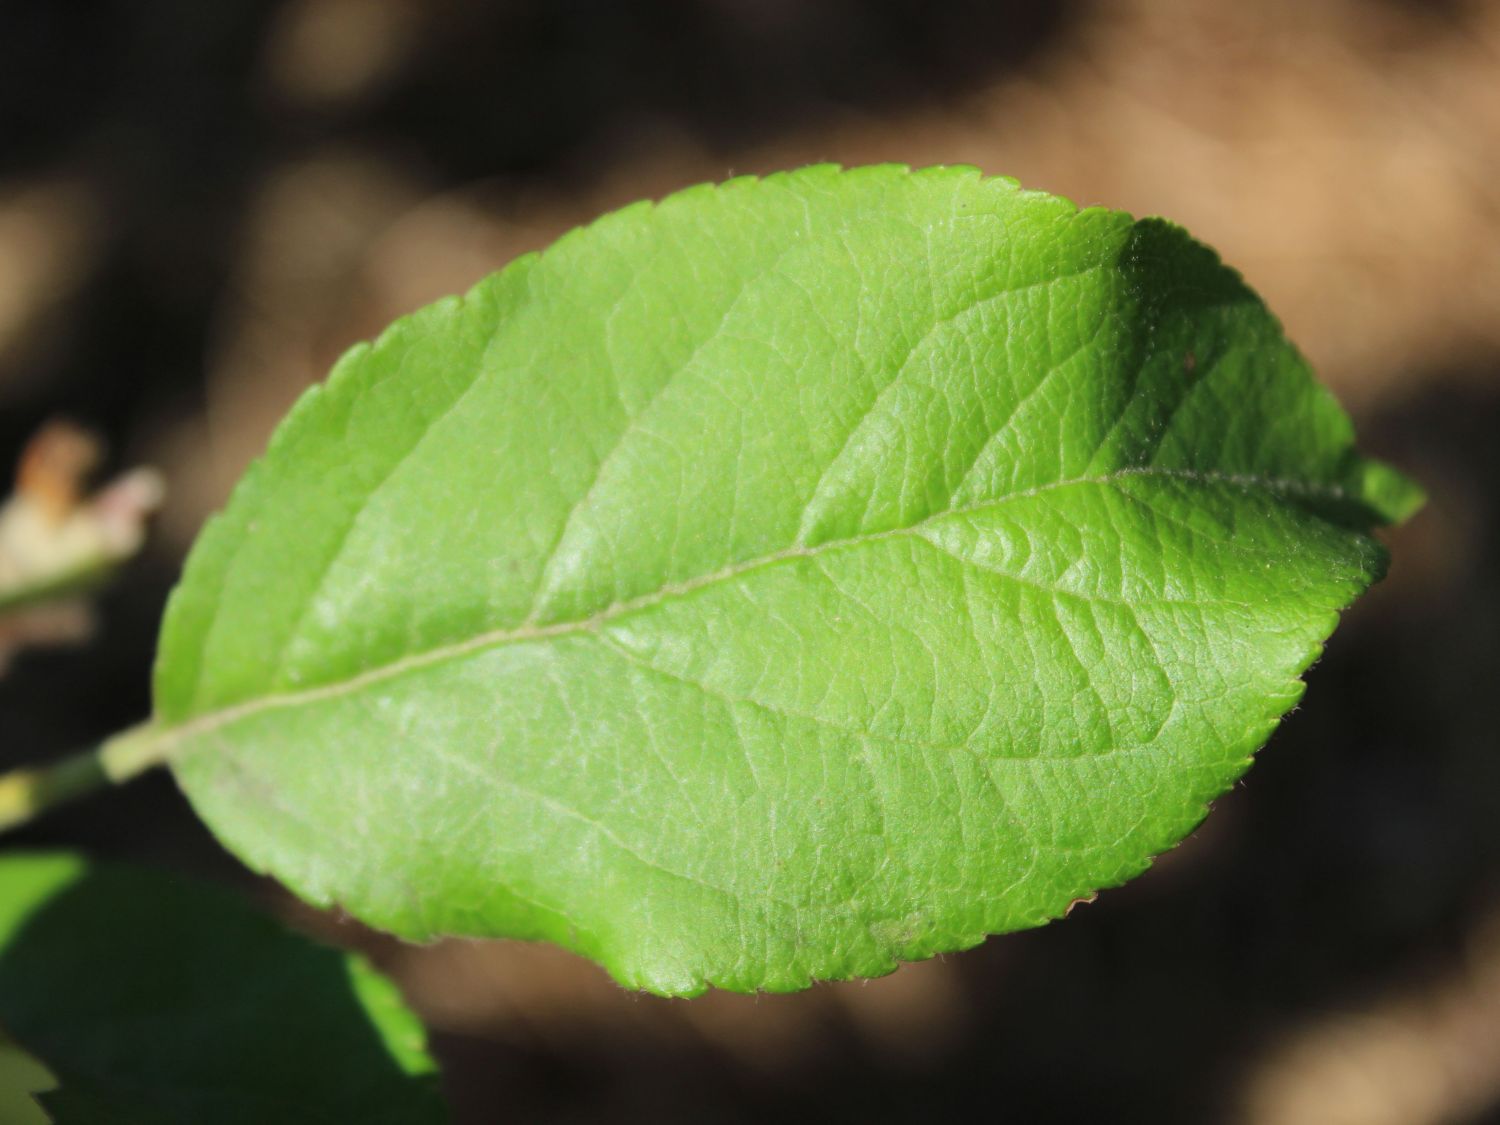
pixel 773 583
pixel 154 999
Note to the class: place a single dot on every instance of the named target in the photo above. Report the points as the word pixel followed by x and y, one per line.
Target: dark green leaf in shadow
pixel 22 1078
pixel 155 999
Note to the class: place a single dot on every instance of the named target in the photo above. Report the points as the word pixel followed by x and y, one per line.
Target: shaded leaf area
pixel 772 584
pixel 152 999
pixel 22 1078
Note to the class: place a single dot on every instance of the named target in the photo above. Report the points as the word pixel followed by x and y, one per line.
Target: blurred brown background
pixel 202 204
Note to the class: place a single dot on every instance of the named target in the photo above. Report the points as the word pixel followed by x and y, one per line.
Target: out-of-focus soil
pixel 201 206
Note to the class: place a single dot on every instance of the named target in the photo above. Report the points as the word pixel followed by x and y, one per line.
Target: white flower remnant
pixel 56 540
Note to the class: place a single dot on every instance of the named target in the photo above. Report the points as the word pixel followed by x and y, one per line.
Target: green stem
pixel 27 793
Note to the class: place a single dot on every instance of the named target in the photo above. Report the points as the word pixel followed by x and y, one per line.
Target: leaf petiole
pixel 31 791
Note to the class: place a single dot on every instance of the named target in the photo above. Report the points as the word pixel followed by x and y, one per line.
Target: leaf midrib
pixel 168 737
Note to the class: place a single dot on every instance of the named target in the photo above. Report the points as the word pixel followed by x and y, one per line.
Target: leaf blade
pixel 156 999
pixel 741 472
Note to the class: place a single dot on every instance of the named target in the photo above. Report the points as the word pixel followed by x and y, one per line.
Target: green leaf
pixel 770 584
pixel 157 1000
pixel 22 1078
